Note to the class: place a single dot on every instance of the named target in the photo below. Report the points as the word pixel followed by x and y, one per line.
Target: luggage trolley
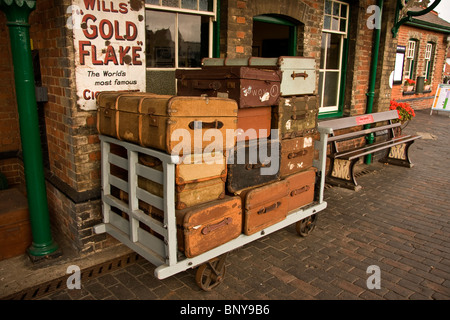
pixel 156 240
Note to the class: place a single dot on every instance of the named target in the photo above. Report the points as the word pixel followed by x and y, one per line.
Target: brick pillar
pixel 73 179
pixel 386 61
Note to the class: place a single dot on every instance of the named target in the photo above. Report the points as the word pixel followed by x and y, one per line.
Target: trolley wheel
pixel 210 274
pixel 306 226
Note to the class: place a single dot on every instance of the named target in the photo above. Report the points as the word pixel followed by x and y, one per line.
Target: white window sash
pixel 411 49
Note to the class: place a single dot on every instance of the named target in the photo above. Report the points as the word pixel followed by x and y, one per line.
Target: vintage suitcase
pixel 206 226
pixel 250 87
pixel 189 194
pixel 264 206
pixel 295 116
pixel 193 167
pixel 15 228
pixel 153 121
pixel 296 155
pixel 298 74
pixel 253 123
pixel 253 163
pixel 301 188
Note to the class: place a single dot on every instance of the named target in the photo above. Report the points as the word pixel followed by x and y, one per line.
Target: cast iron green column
pixel 373 75
pixel 17 13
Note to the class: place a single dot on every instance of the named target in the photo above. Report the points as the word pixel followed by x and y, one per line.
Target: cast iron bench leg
pixel 399 155
pixel 342 174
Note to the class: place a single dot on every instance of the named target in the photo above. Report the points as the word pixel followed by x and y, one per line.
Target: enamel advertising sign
pixel 109 40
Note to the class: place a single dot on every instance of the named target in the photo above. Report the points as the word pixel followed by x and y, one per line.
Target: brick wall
pixel 359 59
pixel 406 32
pixel 237 23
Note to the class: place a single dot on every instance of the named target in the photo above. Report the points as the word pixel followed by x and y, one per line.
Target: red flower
pixel 404 110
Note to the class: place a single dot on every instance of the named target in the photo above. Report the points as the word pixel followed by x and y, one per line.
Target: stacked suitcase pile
pixel 273 94
pixel 217 202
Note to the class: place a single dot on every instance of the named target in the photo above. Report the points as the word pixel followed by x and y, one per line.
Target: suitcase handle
pixel 297 154
pixel 299 191
pixel 298 116
pixel 194 125
pixel 206 85
pixel 211 227
pixel 250 166
pixel 269 208
pixel 294 75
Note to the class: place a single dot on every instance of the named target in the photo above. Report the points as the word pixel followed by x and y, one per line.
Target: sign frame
pixel 441 99
pixel 109 45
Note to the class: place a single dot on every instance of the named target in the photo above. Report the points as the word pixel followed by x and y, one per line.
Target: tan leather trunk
pixel 197 179
pixel 264 206
pixel 193 167
pixel 295 116
pixel 301 189
pixel 296 155
pixel 253 123
pixel 190 194
pixel 152 120
pixel 206 226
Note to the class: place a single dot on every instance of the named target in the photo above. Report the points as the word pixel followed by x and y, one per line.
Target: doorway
pixel 273 36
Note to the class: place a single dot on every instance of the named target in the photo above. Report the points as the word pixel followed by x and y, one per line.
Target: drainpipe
pixel 17 13
pixel 373 74
pixel 216 40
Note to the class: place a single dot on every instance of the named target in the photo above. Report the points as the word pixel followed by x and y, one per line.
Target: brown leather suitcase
pixel 301 188
pixel 245 165
pixel 206 226
pixel 264 206
pixel 152 120
pixel 253 123
pixel 15 228
pixel 295 116
pixel 296 155
pixel 250 87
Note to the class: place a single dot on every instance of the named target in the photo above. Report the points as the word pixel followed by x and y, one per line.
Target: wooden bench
pixel 342 163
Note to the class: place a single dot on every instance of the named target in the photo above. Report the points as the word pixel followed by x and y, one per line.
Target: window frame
pixel 411 57
pixel 336 111
pixel 428 59
pixel 178 10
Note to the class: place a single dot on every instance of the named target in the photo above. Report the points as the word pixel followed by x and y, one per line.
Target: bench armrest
pixel 325 130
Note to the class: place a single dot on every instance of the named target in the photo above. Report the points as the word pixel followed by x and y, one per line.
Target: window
pixel 410 59
pixel 330 72
pixel 178 32
pixel 428 66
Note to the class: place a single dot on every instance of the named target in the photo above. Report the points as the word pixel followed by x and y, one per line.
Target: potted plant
pixel 427 85
pixel 409 85
pixel 405 112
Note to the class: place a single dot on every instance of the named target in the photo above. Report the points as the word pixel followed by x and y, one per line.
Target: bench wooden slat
pixel 348 122
pixel 371 148
pixel 362 132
